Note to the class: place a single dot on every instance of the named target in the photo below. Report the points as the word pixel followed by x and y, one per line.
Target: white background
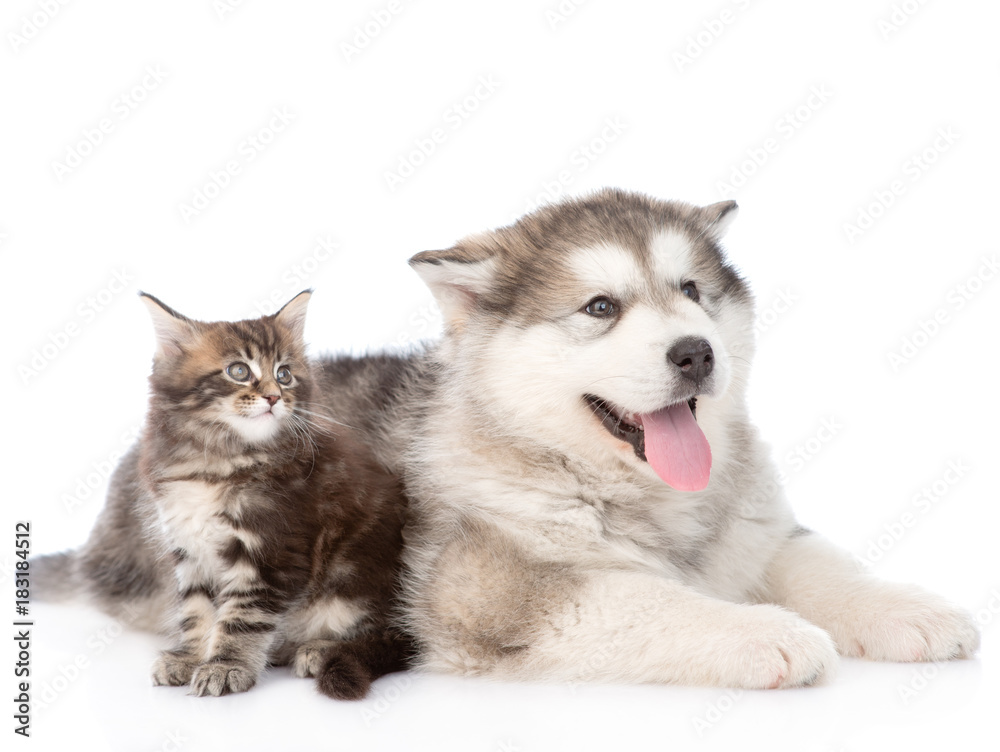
pixel 815 110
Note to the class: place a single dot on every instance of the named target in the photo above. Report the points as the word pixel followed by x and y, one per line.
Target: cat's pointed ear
pixel 718 217
pixel 293 314
pixel 457 277
pixel 173 330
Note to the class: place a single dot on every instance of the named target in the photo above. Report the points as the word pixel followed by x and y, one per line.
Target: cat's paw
pixel 904 623
pixel 219 678
pixel 771 648
pixel 173 668
pixel 310 657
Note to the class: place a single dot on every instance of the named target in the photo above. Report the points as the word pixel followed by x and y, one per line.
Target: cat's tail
pixel 352 666
pixel 117 569
pixel 132 589
pixel 54 577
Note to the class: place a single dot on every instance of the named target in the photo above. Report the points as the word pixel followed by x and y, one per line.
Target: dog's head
pixel 605 324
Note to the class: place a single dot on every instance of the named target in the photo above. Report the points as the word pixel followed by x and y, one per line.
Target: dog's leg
pixel 866 616
pixel 624 626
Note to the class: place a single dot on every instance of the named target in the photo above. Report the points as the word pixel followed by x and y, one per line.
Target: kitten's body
pixel 273 537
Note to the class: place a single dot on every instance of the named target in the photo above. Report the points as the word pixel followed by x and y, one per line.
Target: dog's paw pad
pixel 779 650
pixel 911 626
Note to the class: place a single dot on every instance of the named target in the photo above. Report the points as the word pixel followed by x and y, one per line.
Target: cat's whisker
pixel 299 408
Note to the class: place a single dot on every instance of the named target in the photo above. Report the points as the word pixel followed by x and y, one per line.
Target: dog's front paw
pixel 219 678
pixel 173 668
pixel 905 623
pixel 774 648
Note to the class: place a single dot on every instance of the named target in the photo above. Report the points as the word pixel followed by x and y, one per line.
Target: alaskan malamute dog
pixel 590 499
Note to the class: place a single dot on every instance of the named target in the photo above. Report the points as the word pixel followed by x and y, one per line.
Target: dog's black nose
pixel 694 357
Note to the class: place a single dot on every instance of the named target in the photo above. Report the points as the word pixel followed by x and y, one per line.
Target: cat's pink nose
pixel 272 398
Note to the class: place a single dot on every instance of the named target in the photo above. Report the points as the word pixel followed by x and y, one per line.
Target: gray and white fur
pixel 542 545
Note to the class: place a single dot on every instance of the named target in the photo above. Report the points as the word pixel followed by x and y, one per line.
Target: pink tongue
pixel 676 448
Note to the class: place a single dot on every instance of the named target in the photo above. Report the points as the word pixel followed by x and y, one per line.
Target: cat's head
pixel 242 379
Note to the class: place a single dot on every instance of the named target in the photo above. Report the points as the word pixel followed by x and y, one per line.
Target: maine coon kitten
pixel 268 530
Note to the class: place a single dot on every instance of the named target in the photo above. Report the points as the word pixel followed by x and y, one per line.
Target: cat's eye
pixel 691 290
pixel 284 375
pixel 601 307
pixel 238 371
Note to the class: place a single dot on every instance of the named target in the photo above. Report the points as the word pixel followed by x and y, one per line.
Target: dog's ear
pixel 456 277
pixel 717 218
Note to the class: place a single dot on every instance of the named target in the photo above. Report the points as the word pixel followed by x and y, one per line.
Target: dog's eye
pixel 601 307
pixel 284 376
pixel 238 371
pixel 691 290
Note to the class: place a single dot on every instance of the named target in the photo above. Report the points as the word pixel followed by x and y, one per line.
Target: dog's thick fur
pixel 542 545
